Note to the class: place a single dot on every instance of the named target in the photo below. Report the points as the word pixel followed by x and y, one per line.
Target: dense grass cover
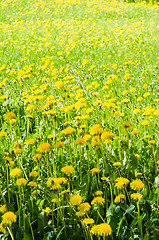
pixel 79 120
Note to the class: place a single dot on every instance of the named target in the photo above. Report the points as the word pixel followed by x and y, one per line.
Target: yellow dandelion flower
pixel 30 142
pixel 69 130
pixel 64 191
pixel 98 200
pixel 80 141
pixel 68 170
pixel 44 147
pixel 76 200
pixel 9 218
pixel 84 207
pixel 87 221
pixel 95 170
pixel 47 210
pixel 119 197
pixel 136 196
pixel 3 134
pixel 79 214
pixel 138 174
pixel 36 192
pixel 104 178
pixel 102 229
pixel 98 193
pixel 51 136
pixel 32 184
pixel 21 182
pixel 137 184
pixel 37 156
pixel 119 185
pixel 145 123
pixel 3 208
pixel 60 144
pixel 10 115
pixel 116 164
pixel 134 131
pixel 16 172
pixel 33 174
pixel 126 125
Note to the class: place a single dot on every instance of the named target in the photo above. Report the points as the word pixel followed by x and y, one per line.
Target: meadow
pixel 79 93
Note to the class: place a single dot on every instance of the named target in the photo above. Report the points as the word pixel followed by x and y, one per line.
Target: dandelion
pixel 64 191
pixel 98 200
pixel 69 130
pixel 95 170
pixel 32 184
pixel 30 142
pixel 121 182
pixel 136 196
pixel 134 131
pixel 3 208
pixel 9 218
pixel 37 156
pixel 33 174
pixel 126 125
pixel 137 185
pixel 3 134
pixel 21 182
pixel 116 164
pixel 98 193
pixel 76 200
pixel 102 229
pixel 10 115
pixel 79 214
pixel 119 198
pixel 104 178
pixel 16 172
pixel 44 147
pixel 60 144
pixel 68 170
pixel 87 221
pixel 145 123
pixel 47 210
pixel 80 141
pixel 138 174
pixel 84 207
pixel 36 192
pixel 50 136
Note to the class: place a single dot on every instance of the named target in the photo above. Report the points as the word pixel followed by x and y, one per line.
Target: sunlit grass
pixel 79 119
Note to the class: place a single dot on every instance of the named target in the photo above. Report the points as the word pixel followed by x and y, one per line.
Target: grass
pixel 79 120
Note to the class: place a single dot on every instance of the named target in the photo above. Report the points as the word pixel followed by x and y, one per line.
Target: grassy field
pixel 79 93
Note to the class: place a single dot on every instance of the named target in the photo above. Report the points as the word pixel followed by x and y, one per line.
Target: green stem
pixel 139 220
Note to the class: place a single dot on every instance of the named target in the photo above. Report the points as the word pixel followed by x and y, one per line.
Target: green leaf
pixel 133 161
pixel 130 209
pixel 42 221
pixel 27 236
pixel 59 233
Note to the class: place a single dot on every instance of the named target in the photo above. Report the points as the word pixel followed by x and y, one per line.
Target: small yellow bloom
pixel 33 174
pixel 87 221
pixel 98 200
pixel 16 172
pixel 9 218
pixel 136 196
pixel 95 170
pixel 137 185
pixel 76 200
pixel 68 170
pixel 84 207
pixel 21 182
